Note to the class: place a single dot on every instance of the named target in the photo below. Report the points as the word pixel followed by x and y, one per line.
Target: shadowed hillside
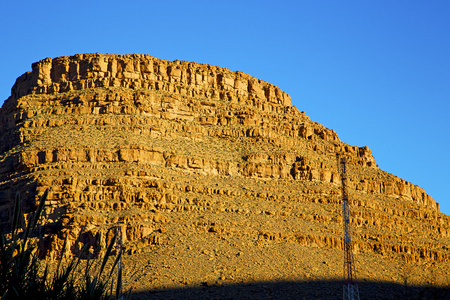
pixel 326 289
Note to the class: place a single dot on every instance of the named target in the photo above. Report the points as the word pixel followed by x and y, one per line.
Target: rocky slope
pixel 209 175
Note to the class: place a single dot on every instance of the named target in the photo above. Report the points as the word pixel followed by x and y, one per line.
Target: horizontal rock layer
pixel 79 72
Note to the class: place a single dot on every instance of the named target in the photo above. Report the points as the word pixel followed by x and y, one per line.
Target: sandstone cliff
pixel 162 150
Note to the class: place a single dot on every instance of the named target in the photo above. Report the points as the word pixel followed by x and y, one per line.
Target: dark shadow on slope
pixel 295 290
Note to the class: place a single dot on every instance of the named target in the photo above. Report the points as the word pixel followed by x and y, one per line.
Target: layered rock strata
pixel 143 145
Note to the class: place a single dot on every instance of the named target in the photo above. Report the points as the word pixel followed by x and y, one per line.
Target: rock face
pixel 162 150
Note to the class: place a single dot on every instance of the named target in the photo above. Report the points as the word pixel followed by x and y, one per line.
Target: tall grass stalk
pixel 24 276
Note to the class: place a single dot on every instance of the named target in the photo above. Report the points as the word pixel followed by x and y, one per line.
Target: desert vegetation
pixel 24 276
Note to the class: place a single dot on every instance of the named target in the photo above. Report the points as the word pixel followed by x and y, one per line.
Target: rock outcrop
pixel 154 148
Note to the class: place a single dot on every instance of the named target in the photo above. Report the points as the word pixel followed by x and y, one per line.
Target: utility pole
pixel 350 291
pixel 119 290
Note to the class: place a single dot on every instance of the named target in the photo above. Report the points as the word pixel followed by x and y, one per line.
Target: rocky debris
pixel 176 154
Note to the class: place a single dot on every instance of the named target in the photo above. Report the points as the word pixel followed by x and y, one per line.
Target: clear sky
pixel 377 72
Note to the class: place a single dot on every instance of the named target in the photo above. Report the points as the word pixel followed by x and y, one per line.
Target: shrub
pixel 24 276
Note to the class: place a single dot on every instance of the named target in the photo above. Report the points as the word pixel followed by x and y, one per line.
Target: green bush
pixel 24 276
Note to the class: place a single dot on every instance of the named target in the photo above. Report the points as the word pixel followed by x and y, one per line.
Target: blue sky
pixel 377 72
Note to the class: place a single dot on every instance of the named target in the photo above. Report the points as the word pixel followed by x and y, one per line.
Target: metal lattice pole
pixel 350 288
pixel 119 292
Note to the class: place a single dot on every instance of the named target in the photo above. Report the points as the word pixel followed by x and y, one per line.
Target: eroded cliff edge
pixel 136 143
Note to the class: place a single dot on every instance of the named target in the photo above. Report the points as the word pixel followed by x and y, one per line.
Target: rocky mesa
pixel 209 175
